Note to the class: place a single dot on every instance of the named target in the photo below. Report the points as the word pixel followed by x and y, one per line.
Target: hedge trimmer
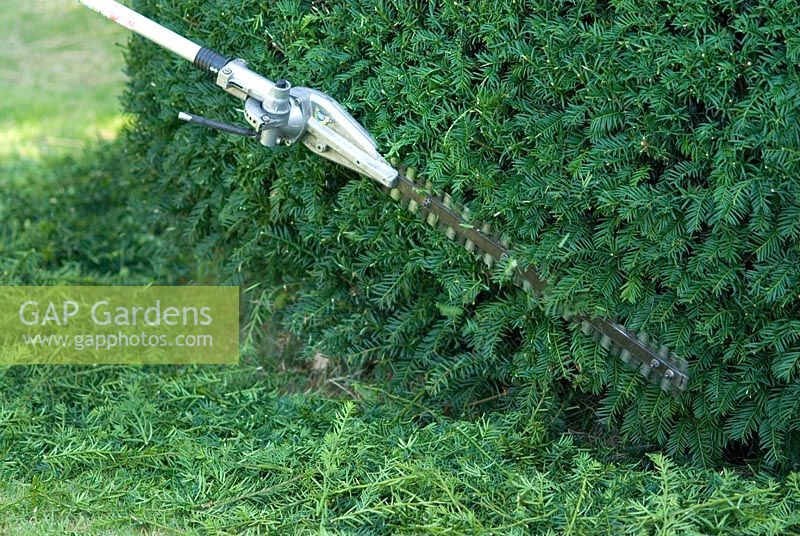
pixel 279 114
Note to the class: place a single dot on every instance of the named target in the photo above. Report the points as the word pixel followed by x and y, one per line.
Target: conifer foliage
pixel 643 155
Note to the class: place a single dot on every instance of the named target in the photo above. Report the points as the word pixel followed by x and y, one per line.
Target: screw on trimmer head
pixel 278 113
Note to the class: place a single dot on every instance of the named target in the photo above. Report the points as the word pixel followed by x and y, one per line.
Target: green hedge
pixel 644 155
pixel 225 450
pixel 82 220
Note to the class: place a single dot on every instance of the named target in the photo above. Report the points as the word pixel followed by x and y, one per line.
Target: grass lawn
pixel 60 77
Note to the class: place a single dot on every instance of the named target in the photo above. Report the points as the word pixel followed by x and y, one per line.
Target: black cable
pixel 224 127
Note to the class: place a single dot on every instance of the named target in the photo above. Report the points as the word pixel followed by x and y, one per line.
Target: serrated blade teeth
pixel 562 310
pixel 681 363
pixel 586 328
pixel 653 360
pixel 527 286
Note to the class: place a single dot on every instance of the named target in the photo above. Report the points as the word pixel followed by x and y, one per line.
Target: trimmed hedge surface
pixel 643 155
pixel 251 450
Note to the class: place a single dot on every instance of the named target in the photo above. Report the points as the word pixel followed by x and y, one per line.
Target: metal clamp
pixel 283 115
pixel 278 113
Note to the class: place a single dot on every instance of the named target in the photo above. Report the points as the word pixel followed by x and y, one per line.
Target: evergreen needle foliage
pixel 644 155
pixel 225 450
pixel 82 220
pixel 114 450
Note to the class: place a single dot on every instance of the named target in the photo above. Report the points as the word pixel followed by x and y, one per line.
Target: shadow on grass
pixel 83 220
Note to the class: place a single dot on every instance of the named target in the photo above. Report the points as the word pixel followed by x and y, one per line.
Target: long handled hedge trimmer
pixel 279 114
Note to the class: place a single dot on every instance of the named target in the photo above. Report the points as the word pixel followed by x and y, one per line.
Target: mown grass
pixel 60 78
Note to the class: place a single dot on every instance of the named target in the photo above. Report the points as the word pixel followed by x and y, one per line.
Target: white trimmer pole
pixel 143 26
pixel 278 114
